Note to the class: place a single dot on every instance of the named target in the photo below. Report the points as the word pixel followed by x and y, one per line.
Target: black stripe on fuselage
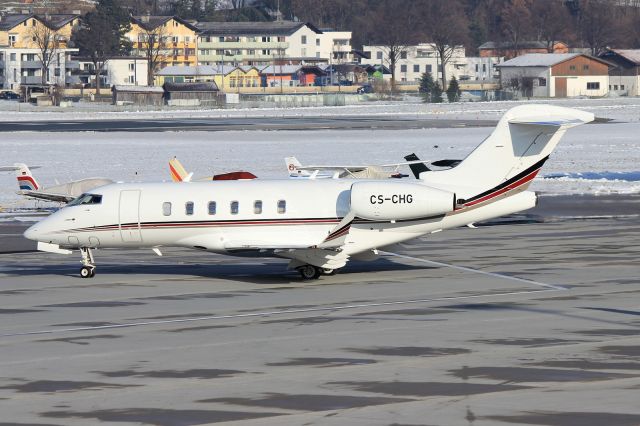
pixel 510 181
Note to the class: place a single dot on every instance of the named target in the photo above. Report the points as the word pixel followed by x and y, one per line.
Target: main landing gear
pixel 310 272
pixel 88 269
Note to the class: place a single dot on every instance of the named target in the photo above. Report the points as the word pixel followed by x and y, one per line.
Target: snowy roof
pixel 151 22
pixel 195 70
pixel 281 69
pixel 632 55
pixel 253 28
pixel 534 44
pixel 539 59
pixel 138 89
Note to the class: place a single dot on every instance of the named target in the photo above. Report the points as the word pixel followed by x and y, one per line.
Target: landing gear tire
pixel 88 269
pixel 327 271
pixel 87 272
pixel 309 272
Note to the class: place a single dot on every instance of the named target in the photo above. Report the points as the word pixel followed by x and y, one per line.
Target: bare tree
pixel 598 24
pixel 154 47
pixel 47 42
pixel 394 29
pixel 551 20
pixel 516 23
pixel 446 28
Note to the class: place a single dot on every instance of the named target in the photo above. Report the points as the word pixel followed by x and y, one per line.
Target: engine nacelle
pixel 399 201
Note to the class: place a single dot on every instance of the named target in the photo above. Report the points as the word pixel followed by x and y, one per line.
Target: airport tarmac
pixel 525 323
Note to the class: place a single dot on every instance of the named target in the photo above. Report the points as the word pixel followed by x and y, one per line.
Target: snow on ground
pixel 610 150
pixel 621 109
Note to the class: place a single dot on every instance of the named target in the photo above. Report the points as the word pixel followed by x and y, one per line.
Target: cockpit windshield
pixel 86 199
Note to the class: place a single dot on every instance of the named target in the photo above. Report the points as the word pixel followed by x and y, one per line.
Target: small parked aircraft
pixel 371 171
pixel 319 224
pixel 179 174
pixel 62 193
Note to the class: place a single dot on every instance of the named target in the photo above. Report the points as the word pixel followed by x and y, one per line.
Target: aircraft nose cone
pixel 31 233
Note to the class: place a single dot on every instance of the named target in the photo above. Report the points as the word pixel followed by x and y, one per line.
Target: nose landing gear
pixel 88 269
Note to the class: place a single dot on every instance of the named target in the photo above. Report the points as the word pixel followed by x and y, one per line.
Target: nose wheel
pixel 88 269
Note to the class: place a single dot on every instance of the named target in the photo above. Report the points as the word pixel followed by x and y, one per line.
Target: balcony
pixel 72 79
pixel 243 45
pixel 345 48
pixel 31 65
pixel 72 65
pixel 32 79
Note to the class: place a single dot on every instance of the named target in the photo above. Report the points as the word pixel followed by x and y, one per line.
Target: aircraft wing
pixel 261 246
pixel 48 196
pixel 14 168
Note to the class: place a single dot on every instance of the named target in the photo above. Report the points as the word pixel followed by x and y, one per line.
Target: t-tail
pixel 178 172
pixel 506 162
pixel 293 168
pixel 26 181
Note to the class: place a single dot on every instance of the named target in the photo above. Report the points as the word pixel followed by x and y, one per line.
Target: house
pixel 34 50
pixel 225 77
pixel 267 43
pixel 624 76
pixel 137 95
pixel 559 75
pixel 353 73
pixel 169 39
pixel 509 50
pixel 291 75
pixel 482 68
pixel 116 70
pixel 416 60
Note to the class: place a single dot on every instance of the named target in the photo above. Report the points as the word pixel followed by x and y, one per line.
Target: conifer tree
pixel 453 91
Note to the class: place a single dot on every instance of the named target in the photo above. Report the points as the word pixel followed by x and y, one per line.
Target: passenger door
pixel 129 216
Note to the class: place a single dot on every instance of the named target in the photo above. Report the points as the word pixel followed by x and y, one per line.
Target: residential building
pixel 226 77
pixel 482 68
pixel 624 76
pixel 21 55
pixel 172 37
pixel 335 46
pixel 510 50
pixel 120 70
pixel 416 60
pixel 558 75
pixel 291 75
pixel 264 43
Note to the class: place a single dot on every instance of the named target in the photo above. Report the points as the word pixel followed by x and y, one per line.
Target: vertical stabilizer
pixel 512 155
pixel 293 167
pixel 416 168
pixel 26 181
pixel 178 173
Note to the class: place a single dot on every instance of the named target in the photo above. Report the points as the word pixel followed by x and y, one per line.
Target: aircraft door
pixel 129 216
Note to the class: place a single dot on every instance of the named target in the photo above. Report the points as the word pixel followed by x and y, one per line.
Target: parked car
pixel 9 95
pixel 365 88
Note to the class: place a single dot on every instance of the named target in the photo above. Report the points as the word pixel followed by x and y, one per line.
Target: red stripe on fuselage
pixel 507 188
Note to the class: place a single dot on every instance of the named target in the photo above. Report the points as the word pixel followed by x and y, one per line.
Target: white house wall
pixel 577 85
pixel 631 84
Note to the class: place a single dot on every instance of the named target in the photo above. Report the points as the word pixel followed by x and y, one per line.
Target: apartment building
pixel 416 60
pixel 172 38
pixel 264 43
pixel 34 50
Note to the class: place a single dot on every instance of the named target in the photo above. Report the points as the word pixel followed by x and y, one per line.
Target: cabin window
pixel 212 208
pixel 257 207
pixel 282 206
pixel 166 209
pixel 593 85
pixel 188 208
pixel 234 207
pixel 85 199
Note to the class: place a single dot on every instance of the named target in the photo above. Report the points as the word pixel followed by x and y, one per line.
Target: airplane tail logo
pixel 178 172
pixel 26 181
pixel 293 167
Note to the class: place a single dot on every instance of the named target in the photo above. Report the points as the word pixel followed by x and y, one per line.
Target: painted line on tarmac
pixel 274 313
pixel 476 271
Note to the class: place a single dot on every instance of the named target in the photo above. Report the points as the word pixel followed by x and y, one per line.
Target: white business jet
pixel 319 224
pixel 368 171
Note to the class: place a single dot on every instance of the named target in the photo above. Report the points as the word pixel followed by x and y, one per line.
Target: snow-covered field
pixel 595 159
pixel 621 109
